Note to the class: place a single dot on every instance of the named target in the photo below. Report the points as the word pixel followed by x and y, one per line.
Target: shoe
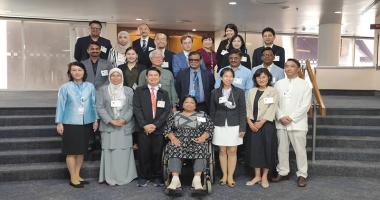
pixel 158 183
pixel 196 184
pixel 84 182
pixel 142 182
pixel 301 182
pixel 250 183
pixel 222 182
pixel 231 184
pixel 174 184
pixel 80 185
pixel 279 178
pixel 265 184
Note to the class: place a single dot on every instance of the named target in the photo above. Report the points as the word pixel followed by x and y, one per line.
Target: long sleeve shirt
pixel 76 104
pixel 242 79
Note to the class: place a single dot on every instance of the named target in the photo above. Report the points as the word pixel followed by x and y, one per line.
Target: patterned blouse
pixel 187 128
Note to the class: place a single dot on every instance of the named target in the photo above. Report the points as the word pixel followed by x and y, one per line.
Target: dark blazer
pixel 169 58
pixel 144 55
pixel 226 61
pixel 277 50
pixel 219 112
pixel 219 56
pixel 80 52
pixel 142 108
pixel 124 67
pixel 182 84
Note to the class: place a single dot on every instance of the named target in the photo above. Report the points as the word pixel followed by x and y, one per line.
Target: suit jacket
pixel 80 52
pixel 277 50
pixel 142 108
pixel 219 56
pixel 169 58
pixel 98 80
pixel 144 55
pixel 265 110
pixel 219 112
pixel 180 62
pixel 105 111
pixel 182 84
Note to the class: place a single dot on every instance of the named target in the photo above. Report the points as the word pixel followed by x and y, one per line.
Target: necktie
pixel 153 99
pixel 144 45
pixel 196 86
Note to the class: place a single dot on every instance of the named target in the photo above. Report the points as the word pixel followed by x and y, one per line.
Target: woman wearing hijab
pixel 114 107
pixel 117 54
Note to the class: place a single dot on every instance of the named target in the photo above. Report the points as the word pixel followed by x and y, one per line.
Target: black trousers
pixel 150 153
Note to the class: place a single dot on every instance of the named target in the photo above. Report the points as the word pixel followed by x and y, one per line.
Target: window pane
pixel 346 52
pixel 253 41
pixel 364 52
pixel 307 49
pixel 286 41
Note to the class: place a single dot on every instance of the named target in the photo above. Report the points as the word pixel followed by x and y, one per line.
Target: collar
pixel 193 70
pixel 238 68
pixel 270 66
pixel 155 87
pixel 271 46
pixel 186 53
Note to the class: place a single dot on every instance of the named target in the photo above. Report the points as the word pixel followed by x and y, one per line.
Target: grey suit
pixel 219 112
pixel 117 165
pixel 96 78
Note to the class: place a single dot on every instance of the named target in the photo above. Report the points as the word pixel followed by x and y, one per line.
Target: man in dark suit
pixel 151 106
pixel 196 82
pixel 80 52
pixel 144 45
pixel 269 36
pixel 96 67
pixel 161 40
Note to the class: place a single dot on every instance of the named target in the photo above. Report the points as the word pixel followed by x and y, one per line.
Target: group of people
pixel 143 96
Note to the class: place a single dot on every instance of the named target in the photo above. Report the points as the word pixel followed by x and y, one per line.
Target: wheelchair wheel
pixel 209 186
pixel 211 163
pixel 165 174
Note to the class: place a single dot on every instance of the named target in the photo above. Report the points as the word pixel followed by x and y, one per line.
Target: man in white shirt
pixel 292 125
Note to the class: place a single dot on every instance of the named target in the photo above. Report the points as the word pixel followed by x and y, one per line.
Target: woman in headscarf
pixel 117 55
pixel 114 107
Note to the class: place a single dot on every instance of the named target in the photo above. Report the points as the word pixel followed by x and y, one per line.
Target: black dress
pixel 262 145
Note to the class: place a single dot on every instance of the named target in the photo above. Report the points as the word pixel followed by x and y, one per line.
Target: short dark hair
pixel 130 48
pixel 79 64
pixel 295 61
pixel 184 37
pixel 262 71
pixel 235 51
pixel 267 49
pixel 186 97
pixel 225 70
pixel 231 26
pixel 195 53
pixel 152 69
pixel 95 22
pixel 207 37
pixel 268 29
pixel 243 48
pixel 93 43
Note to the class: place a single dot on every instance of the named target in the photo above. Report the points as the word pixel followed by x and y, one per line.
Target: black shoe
pixel 142 182
pixel 80 185
pixel 84 182
pixel 158 183
pixel 279 178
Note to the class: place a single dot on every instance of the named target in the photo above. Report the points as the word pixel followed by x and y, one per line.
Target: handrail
pixel 317 93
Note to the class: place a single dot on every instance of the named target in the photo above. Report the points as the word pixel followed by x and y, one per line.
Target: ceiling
pixel 286 16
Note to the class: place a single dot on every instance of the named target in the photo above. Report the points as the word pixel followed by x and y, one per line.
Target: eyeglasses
pixel 194 60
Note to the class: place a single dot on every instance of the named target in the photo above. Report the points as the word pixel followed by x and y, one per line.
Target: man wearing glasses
pixel 80 52
pixel 195 81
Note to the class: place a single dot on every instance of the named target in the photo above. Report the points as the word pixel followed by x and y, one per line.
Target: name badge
pixel 243 59
pixel 116 103
pixel 150 48
pixel 201 119
pixel 165 65
pixel 268 100
pixel 104 72
pixel 238 81
pixel 103 49
pixel 161 104
pixel 222 99
pixel 224 52
pixel 273 79
pixel 81 110
pixel 276 58
pixel 134 86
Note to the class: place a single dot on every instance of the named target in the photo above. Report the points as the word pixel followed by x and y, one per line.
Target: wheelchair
pixel 208 175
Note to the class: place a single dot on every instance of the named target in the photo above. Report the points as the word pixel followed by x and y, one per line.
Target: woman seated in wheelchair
pixel 189 132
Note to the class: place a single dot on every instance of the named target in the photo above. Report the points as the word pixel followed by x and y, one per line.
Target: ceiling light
pixel 194 29
pixel 139 19
pixel 338 12
pixel 232 3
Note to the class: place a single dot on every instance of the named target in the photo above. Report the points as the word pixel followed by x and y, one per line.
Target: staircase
pixel 30 147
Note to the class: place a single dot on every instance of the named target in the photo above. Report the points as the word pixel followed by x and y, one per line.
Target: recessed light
pixel 139 19
pixel 338 12
pixel 194 29
pixel 232 3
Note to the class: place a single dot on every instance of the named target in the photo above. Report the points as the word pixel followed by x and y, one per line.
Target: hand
pixel 286 120
pixel 95 126
pixel 122 121
pixel 149 128
pixel 117 123
pixel 201 139
pixel 60 129
pixel 174 140
pixel 252 127
pixel 241 134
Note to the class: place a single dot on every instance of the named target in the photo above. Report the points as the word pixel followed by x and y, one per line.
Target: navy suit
pixel 277 50
pixel 182 85
pixel 144 55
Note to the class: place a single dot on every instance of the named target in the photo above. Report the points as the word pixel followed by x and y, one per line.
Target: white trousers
pixel 298 141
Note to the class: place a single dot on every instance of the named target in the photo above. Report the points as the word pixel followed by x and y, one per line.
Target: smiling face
pixel 234 60
pixel 207 43
pixel 116 78
pixel 77 73
pixel 262 80
pixel 144 30
pixel 291 69
pixel 189 105
pixel 187 44
pixel 227 78
pixel 161 41
pixel 95 30
pixel 153 78
pixel 236 43
pixel 267 57
pixel 195 61
pixel 93 50
pixel 229 33
pixel 268 38
pixel 157 60
pixel 123 39
pixel 131 56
